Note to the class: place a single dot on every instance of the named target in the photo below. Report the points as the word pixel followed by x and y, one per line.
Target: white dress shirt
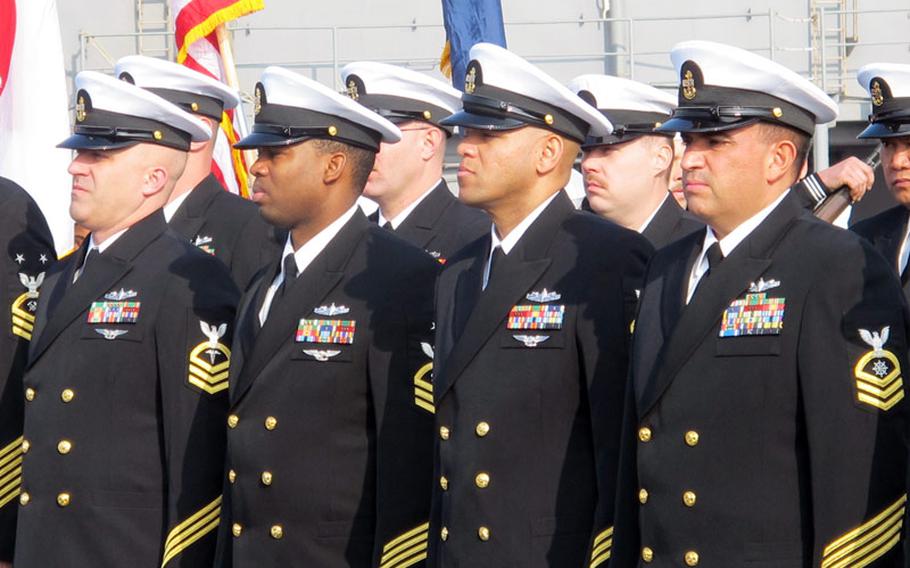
pixel 509 242
pixel 173 206
pixel 98 247
pixel 653 214
pixel 904 254
pixel 399 219
pixel 304 256
pixel 727 244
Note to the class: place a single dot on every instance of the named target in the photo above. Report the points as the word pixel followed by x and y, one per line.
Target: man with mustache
pixel 888 85
pixel 331 399
pixel 766 422
pixel 125 391
pixel 627 173
pixel 533 326
pixel 406 181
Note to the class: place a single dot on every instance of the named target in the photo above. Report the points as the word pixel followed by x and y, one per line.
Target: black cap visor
pixel 466 119
pixel 883 130
pixel 84 142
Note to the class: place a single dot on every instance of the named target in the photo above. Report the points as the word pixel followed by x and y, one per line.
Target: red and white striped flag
pixel 196 22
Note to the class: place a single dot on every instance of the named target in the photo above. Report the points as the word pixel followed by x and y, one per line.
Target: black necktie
pixel 290 276
pixel 89 259
pixel 388 226
pixel 714 256
pixel 495 260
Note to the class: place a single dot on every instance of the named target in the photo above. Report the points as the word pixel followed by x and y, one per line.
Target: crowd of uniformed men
pixel 493 381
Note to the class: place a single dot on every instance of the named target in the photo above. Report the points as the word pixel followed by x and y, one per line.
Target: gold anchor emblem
pixel 352 90
pixel 80 109
pixel 878 98
pixel 688 85
pixel 470 81
pixel 257 101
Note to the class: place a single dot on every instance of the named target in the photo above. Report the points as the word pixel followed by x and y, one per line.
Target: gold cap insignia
pixel 333 130
pixel 353 91
pixel 777 112
pixel 80 109
pixel 878 97
pixel 688 85
pixel 427 115
pixel 158 135
pixel 257 100
pixel 194 106
pixel 470 81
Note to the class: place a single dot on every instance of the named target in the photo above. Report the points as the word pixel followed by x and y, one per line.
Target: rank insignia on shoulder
pixel 110 334
pixel 423 381
pixel 25 305
pixel 531 340
pixel 763 285
pixel 332 310
pixel 878 372
pixel 340 332
pixel 536 317
pixel 204 243
pixel 114 312
pixel 543 296
pixel 322 355
pixel 756 314
pixel 120 295
pixel 210 361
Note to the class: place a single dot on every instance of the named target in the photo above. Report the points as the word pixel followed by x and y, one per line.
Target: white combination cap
pixel 888 85
pixel 188 89
pixel 114 114
pixel 400 94
pixel 634 108
pixel 502 91
pixel 290 108
pixel 724 87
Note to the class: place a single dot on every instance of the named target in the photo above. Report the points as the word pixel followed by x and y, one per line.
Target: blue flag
pixel 468 22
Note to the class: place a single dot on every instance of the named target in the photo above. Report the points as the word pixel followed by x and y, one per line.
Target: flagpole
pixel 230 73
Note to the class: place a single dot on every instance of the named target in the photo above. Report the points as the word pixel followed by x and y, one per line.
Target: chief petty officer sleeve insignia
pixel 25 306
pixel 878 372
pixel 868 542
pixel 210 360
pixel 407 549
pixel 423 387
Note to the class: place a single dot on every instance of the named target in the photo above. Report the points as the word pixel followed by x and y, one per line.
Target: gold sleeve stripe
pixel 10 471
pixel 600 559
pixel 607 533
pixel 423 390
pixel 10 450
pixel 864 544
pixel 189 531
pixel 407 549
pixel 399 539
pixel 603 546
